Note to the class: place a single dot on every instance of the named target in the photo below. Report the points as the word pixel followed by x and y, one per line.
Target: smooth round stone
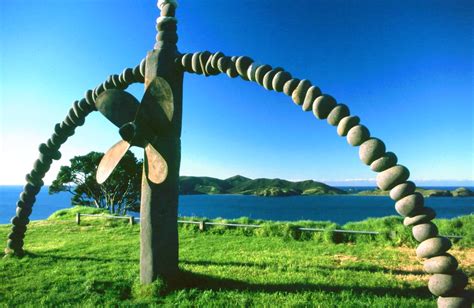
pixel 433 247
pixel 242 65
pixel 268 78
pixel 311 95
pixel 410 205
pixel 223 64
pixel 402 190
pixel 260 73
pixel 391 177
pixel 371 150
pixel 357 135
pixel 299 93
pixel 337 113
pixel 195 63
pixel 203 58
pixel 323 105
pixel 447 284
pixel 290 86
pixel 186 62
pixel 461 300
pixel 346 124
pixel 444 264
pixel 387 160
pixel 23 212
pixel 215 59
pixel 425 214
pixel 251 71
pixel 232 71
pixel 279 80
pixel 424 231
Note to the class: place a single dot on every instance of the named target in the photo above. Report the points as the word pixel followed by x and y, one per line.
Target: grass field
pixel 96 263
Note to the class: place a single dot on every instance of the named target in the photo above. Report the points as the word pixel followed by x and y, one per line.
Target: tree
pixel 120 193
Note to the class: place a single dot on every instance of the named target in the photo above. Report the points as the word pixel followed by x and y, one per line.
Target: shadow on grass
pixel 364 268
pixel 189 280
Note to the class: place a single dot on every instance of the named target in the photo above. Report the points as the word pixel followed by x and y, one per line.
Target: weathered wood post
pixel 131 220
pixel 159 202
pixel 202 226
pixel 78 218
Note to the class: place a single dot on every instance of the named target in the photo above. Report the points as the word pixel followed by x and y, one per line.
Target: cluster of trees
pixel 119 194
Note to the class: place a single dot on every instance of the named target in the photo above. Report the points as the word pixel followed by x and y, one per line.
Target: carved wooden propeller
pixel 138 123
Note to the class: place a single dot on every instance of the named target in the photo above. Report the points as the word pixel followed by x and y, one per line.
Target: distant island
pixel 240 185
pixel 458 192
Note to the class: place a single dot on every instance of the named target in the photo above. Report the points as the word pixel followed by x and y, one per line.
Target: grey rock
pixel 425 214
pixel 223 64
pixel 346 124
pixel 186 62
pixel 195 63
pixel 251 71
pixel 461 300
pixel 299 93
pixel 357 135
pixel 279 80
pixel 215 59
pixel 268 78
pixel 242 64
pixel 203 58
pixel 402 190
pixel 424 231
pixel 232 70
pixel 290 86
pixel 391 177
pixel 312 93
pixel 336 115
pixel 387 160
pixel 433 247
pixel 444 264
pixel 260 73
pixel 410 205
pixel 371 150
pixel 323 105
pixel 447 284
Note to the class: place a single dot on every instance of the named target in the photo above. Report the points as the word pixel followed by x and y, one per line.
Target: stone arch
pixel 446 282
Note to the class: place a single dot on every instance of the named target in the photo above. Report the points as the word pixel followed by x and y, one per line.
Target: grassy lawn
pixel 97 263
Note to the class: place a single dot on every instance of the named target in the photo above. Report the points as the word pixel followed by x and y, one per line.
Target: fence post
pixel 202 226
pixel 131 220
pixel 78 218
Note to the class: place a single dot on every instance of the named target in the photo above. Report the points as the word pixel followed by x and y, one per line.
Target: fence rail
pixel 202 225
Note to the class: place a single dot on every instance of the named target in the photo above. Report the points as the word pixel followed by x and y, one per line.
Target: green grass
pixel 97 263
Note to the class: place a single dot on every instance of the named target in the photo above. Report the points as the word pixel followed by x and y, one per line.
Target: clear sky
pixel 404 67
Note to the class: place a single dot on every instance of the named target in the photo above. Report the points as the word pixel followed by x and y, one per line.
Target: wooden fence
pixel 202 225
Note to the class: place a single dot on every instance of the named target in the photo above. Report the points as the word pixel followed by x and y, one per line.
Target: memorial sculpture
pixel 155 125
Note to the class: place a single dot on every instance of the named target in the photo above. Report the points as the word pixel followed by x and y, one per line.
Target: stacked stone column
pixel 447 281
pixel 49 151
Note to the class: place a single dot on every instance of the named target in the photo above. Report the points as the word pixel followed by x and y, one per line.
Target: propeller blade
pixel 155 166
pixel 118 106
pixel 157 108
pixel 111 160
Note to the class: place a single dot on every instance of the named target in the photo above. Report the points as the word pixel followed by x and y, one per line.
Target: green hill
pixel 191 185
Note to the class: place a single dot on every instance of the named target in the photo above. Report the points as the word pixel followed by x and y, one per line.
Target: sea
pixel 339 209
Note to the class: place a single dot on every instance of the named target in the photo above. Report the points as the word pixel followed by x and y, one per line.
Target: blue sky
pixel 404 67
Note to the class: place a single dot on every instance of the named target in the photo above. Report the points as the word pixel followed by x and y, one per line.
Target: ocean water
pixel 339 209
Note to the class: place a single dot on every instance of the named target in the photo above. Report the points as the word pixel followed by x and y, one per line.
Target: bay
pixel 339 209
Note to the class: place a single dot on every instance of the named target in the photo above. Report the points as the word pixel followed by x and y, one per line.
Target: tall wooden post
pixel 159 203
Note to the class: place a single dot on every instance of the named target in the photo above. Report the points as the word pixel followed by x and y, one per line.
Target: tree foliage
pixel 119 193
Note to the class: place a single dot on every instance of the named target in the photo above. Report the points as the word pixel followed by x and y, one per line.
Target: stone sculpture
pixel 162 73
